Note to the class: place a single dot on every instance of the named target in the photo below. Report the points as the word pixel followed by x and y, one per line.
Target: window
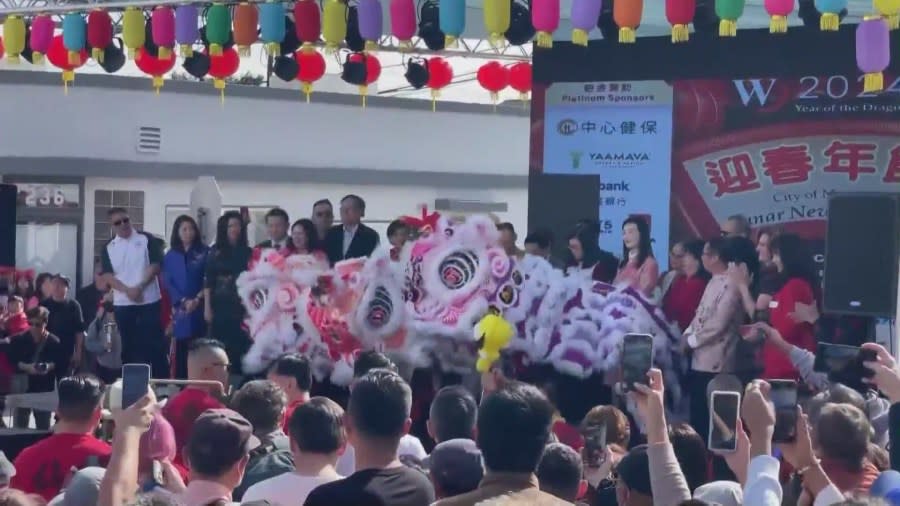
pixel 132 201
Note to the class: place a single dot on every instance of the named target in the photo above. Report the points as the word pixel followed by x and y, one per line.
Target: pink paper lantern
pixel 162 26
pixel 42 27
pixel 545 18
pixel 778 10
pixel 403 21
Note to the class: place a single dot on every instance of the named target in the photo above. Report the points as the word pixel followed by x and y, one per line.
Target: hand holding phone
pixel 784 398
pixel 594 445
pixel 637 359
pixel 724 408
pixel 845 364
pixel 135 383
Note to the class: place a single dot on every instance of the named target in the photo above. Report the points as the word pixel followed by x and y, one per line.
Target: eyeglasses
pixel 125 220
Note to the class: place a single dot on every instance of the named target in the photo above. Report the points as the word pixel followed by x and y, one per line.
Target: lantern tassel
pixel 363 90
pixel 97 54
pixel 12 59
pixel 131 53
pixel 435 95
pixel 524 98
pixel 215 49
pixel 187 50
pixel 450 41
pixel 37 58
pixel 331 48
pixel 727 28
pixel 273 48
pixel 496 39
pixel 371 46
pixel 67 77
pixel 893 21
pixel 244 51
pixel 580 37
pixel 157 83
pixel 626 35
pixel 405 45
pixel 873 81
pixel 164 53
pixel 544 39
pixel 219 84
pixel 307 90
pixel 680 33
pixel 829 22
pixel 74 58
pixel 778 24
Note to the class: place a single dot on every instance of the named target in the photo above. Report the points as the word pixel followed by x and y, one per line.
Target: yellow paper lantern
pixel 14 37
pixel 496 20
pixel 334 24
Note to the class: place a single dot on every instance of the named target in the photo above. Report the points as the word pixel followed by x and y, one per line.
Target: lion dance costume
pixel 426 303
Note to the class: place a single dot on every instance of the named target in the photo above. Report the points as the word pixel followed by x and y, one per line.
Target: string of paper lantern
pixel 440 75
pixel 14 37
pixel 680 14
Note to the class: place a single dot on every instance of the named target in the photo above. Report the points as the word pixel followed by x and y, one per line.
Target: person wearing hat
pixel 456 467
pixel 83 489
pixel 217 452
pixel 66 322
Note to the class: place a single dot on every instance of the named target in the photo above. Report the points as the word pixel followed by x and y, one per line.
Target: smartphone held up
pixel 724 410
pixel 135 383
pixel 784 398
pixel 637 359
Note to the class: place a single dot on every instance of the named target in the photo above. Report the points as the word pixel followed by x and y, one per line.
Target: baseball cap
pixel 221 434
pixel 83 489
pixel 634 470
pixel 721 493
pixel 456 465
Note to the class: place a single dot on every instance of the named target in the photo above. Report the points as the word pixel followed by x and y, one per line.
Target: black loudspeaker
pixel 581 195
pixel 862 250
pixel 7 225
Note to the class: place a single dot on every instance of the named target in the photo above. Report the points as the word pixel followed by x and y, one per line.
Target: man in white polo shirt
pixel 131 261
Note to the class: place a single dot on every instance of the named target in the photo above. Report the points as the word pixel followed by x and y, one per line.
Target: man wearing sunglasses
pixel 131 262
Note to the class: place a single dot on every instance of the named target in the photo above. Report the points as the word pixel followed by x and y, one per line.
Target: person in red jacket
pixel 792 258
pixel 683 296
pixel 43 467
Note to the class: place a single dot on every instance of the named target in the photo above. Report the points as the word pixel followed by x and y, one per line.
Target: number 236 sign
pixel 47 195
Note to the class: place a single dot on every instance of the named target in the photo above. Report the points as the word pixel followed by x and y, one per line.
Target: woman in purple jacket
pixel 182 272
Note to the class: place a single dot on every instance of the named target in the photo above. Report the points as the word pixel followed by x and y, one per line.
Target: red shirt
pixel 183 410
pixel 568 435
pixel 681 301
pixel 777 364
pixel 286 423
pixel 43 467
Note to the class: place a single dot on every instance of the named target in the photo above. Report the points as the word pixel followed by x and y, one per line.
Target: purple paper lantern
pixel 187 28
pixel 873 51
pixel 370 22
pixel 585 14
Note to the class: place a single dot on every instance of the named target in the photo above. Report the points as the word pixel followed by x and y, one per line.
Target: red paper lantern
pixel 520 78
pixel 59 57
pixel 99 33
pixel 493 77
pixel 307 21
pixel 1 48
pixel 440 74
pixel 373 71
pixel 373 68
pixel 154 67
pixel 222 67
pixel 311 68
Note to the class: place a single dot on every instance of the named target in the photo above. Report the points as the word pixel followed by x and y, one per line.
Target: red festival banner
pixel 774 149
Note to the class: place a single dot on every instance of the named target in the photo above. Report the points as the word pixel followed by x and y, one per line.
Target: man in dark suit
pixel 277 223
pixel 350 239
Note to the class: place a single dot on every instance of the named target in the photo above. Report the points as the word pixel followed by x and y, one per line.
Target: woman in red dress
pixel 792 258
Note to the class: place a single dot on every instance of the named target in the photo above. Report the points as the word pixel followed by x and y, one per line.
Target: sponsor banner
pixel 622 133
pixel 774 149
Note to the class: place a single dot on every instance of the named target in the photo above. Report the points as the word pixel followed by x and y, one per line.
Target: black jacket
pixel 365 240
